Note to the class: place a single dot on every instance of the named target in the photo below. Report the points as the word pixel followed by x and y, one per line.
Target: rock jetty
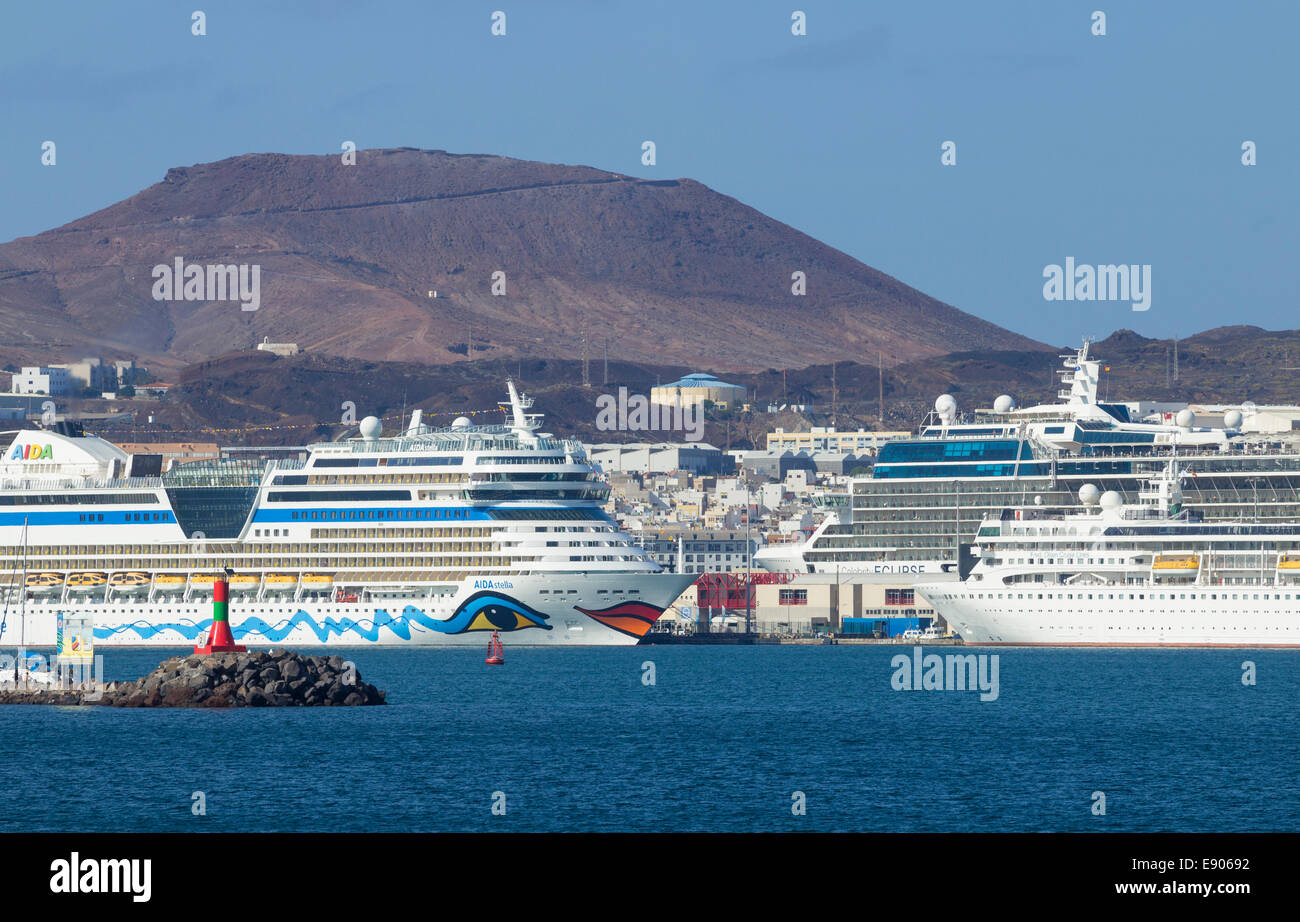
pixel 257 678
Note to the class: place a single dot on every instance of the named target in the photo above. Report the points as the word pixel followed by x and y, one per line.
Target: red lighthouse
pixel 220 640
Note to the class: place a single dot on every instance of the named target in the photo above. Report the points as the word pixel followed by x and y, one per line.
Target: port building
pixel 859 604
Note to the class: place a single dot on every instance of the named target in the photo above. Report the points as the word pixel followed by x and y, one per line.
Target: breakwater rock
pixel 258 678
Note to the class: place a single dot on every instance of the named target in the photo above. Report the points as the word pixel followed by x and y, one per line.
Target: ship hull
pixel 1195 621
pixel 550 610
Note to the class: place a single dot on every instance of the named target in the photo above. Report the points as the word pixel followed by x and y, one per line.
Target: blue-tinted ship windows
pixel 218 512
pixel 1024 468
pixel 345 462
pixel 1115 438
pixel 1117 410
pixel 964 450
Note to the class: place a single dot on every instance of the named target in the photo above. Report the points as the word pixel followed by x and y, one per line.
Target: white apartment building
pixel 41 379
pixel 823 438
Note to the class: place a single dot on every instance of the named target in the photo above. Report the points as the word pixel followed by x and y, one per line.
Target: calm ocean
pixel 720 742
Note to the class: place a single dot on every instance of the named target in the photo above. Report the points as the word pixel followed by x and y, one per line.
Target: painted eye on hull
pixel 498 618
pixel 492 611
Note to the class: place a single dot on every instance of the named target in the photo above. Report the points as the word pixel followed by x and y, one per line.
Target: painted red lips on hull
pixel 631 618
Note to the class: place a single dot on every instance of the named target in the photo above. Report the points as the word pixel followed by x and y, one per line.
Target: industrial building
pixel 777 464
pixel 660 458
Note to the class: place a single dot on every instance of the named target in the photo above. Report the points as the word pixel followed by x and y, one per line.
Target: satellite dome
pixel 370 428
pixel 1232 419
pixel 945 404
pixel 1004 404
pixel 1111 500
pixel 460 422
pixel 1038 500
pixel 1185 418
pixel 1089 494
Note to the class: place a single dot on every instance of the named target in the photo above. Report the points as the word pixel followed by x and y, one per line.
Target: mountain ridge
pixel 265 399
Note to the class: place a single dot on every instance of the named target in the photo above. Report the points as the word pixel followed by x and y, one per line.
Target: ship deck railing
pixel 72 482
pixel 483 438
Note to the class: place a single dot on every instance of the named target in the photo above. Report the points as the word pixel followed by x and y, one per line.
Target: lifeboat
pixel 280 582
pixel 244 582
pixel 202 581
pixel 1289 562
pixel 133 582
pixel 45 583
pixel 317 581
pixel 1176 562
pixel 87 582
pixel 169 582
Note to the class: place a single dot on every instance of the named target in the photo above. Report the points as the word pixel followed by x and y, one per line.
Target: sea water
pixel 778 738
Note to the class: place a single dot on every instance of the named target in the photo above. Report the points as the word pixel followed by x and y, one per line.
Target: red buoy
pixel 496 653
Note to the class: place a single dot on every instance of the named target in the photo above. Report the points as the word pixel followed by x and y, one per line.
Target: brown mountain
pixel 666 271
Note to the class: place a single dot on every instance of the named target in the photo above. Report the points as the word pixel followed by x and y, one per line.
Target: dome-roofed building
pixel 697 388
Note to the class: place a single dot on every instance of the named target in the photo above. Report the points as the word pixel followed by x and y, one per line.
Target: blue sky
pixel 1117 149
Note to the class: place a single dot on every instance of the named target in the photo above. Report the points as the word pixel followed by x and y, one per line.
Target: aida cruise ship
pixel 429 536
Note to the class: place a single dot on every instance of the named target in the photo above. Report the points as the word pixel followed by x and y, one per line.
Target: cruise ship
pixel 426 536
pixel 916 516
pixel 1148 573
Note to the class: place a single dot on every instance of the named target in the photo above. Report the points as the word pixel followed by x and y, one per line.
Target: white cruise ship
pixel 1144 574
pixel 916 516
pixel 430 536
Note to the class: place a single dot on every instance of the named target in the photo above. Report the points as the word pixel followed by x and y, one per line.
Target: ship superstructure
pixel 424 536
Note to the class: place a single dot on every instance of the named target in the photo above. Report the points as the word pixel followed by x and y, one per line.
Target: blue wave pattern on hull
pixel 483 611
pixel 364 629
